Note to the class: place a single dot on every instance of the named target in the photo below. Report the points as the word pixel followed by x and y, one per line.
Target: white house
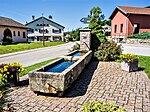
pixel 45 27
pixel 12 29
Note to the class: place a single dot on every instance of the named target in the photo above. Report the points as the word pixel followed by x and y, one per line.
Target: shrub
pixel 128 57
pixel 144 35
pixel 101 106
pixel 108 51
pixel 7 40
pixel 95 42
pixel 8 70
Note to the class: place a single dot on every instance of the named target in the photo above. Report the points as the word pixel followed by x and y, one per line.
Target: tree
pixel 108 22
pixel 96 18
pixel 75 34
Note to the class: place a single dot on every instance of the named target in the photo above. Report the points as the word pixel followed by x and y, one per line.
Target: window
pixel 59 30
pixel 35 29
pixel 41 25
pixel 46 31
pixel 18 33
pixel 47 24
pixel 115 29
pixel 55 31
pixel 14 33
pixel 24 34
pixel 32 30
pixel 37 24
pixel 121 28
pixel 39 30
pixel 136 28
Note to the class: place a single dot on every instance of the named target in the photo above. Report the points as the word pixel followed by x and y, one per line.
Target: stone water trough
pixel 57 76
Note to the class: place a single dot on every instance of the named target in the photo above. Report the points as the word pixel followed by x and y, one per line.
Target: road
pixel 138 50
pixel 27 58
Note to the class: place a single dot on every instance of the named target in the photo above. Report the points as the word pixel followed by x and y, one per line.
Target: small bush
pixel 7 40
pixel 144 35
pixel 108 51
pixel 101 106
pixel 95 42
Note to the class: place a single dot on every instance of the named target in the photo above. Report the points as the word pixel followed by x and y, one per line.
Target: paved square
pixel 99 81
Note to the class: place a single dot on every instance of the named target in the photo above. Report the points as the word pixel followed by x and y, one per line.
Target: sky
pixel 65 12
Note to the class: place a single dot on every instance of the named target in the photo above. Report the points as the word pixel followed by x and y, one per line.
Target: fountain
pixel 57 76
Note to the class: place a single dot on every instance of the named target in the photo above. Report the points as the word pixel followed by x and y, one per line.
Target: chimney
pixel 33 18
pixel 50 17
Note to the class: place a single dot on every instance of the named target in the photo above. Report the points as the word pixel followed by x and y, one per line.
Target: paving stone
pixel 99 81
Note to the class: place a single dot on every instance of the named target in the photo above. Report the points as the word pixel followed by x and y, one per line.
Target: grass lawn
pixel 144 62
pixel 35 66
pixel 25 46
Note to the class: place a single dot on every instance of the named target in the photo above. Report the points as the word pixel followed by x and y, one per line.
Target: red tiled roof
pixel 9 22
pixel 135 10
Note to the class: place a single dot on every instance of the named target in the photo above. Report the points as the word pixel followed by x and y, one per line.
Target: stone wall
pixel 131 41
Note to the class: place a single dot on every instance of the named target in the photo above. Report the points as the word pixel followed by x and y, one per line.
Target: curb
pixel 137 45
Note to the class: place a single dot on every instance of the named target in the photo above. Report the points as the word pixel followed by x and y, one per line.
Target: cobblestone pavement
pixel 99 81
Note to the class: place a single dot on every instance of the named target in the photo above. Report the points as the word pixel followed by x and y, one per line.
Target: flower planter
pixel 129 66
pixel 14 79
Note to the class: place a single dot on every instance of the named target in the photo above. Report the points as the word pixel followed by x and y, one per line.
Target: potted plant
pixel 10 72
pixel 129 62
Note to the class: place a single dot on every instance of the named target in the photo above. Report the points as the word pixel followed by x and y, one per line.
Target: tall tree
pixel 96 18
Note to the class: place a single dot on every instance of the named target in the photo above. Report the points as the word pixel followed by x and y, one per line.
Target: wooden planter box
pixel 129 66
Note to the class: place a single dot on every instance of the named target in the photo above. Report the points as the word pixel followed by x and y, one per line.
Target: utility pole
pixel 43 30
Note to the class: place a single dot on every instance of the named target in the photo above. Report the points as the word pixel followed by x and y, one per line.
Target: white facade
pixel 52 31
pixel 22 37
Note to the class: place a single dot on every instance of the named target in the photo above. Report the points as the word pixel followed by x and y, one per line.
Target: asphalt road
pixel 136 49
pixel 31 57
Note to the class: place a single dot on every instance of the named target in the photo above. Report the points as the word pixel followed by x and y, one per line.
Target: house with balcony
pixel 45 29
pixel 126 20
pixel 13 30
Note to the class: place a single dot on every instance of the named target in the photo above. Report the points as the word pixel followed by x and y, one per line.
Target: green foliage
pixel 128 57
pixel 95 42
pixel 101 106
pixel 108 51
pixel 144 35
pixel 7 40
pixel 3 92
pixel 144 62
pixel 75 34
pixel 95 25
pixel 108 22
pixel 7 71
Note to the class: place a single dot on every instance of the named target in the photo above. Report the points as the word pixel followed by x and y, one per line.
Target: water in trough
pixel 60 67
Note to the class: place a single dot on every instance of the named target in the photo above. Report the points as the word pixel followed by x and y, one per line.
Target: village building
pixel 45 29
pixel 127 20
pixel 10 28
